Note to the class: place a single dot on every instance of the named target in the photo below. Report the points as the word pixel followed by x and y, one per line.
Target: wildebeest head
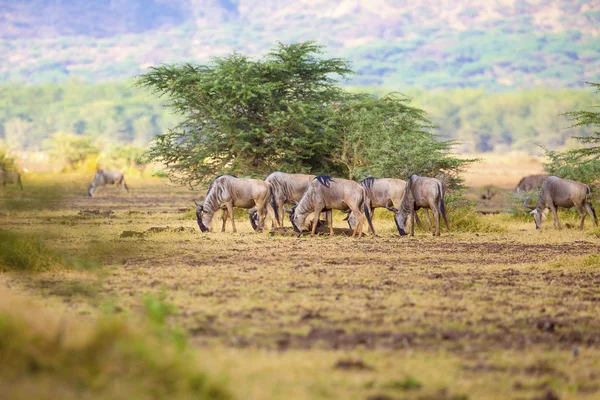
pixel 202 217
pixel 399 218
pixel 293 218
pixel 537 216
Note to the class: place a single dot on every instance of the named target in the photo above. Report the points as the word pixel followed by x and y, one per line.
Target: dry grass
pixel 494 310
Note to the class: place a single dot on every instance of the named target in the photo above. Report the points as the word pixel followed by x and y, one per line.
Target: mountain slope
pixel 494 44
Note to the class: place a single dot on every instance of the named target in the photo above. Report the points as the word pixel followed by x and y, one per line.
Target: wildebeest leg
pixel 280 213
pixel 360 220
pixel 315 221
pixel 581 211
pixel 229 205
pixel 413 216
pixel 436 218
pixel 224 217
pixel 555 215
pixel 329 219
pixel 590 210
pixel 125 185
pixel 429 223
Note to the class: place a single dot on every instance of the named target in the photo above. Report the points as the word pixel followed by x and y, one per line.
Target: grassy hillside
pixel 496 45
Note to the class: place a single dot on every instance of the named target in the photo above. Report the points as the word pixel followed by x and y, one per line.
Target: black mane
pixel 368 182
pixel 324 180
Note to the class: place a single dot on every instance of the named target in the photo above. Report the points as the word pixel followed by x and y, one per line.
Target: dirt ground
pixel 511 313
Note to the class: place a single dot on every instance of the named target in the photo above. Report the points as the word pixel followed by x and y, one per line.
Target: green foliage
pixel 248 117
pixel 387 137
pixel 287 113
pixel 582 164
pixel 28 253
pixel 157 309
pixel 407 383
pixel 112 112
pixel 70 149
pixel 466 219
pixel 112 359
pixel 6 161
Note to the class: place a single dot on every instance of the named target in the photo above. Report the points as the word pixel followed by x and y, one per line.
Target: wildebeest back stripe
pixel 324 180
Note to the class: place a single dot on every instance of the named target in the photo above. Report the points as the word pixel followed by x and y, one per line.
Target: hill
pixel 498 45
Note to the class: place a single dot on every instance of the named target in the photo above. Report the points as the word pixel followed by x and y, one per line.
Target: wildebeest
pixel 559 192
pixel 10 177
pixel 231 191
pixel 104 177
pixel 287 188
pixel 327 193
pixel 420 192
pixel 379 193
pixel 531 182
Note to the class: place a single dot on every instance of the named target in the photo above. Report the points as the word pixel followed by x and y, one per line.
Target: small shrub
pixel 109 359
pixel 466 219
pixel 408 383
pixel 25 253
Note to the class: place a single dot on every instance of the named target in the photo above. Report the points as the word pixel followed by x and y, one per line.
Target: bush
pixel 466 219
pixel 27 253
pixel 23 253
pixel 111 359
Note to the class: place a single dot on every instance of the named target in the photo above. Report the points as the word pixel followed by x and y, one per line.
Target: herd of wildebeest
pixel 321 194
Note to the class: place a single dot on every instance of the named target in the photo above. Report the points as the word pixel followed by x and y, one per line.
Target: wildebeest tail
pixel 588 198
pixel 366 203
pixel 273 202
pixel 443 207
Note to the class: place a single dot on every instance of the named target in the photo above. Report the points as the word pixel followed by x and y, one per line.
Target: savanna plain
pixel 492 309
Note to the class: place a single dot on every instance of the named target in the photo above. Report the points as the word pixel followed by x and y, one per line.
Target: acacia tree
pixel 581 164
pixel 386 137
pixel 286 112
pixel 249 116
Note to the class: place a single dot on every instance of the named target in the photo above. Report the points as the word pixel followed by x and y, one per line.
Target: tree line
pixel 481 121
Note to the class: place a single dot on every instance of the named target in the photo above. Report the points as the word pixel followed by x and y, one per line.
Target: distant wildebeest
pixel 327 193
pixel 103 178
pixel 557 192
pixel 10 177
pixel 531 182
pixel 230 191
pixel 379 193
pixel 420 192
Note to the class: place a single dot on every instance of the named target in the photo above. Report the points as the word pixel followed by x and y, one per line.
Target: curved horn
pixel 295 202
pixel 198 204
pixel 348 211
pixel 287 210
pixel 528 206
pixel 392 209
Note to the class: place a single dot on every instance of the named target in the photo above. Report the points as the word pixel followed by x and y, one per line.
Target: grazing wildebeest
pixel 557 192
pixel 420 192
pixel 531 182
pixel 10 177
pixel 327 193
pixel 287 188
pixel 379 193
pixel 104 177
pixel 231 191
